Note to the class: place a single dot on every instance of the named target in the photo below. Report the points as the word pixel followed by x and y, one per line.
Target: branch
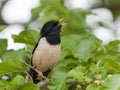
pixel 43 83
pixel 43 77
pixel 74 83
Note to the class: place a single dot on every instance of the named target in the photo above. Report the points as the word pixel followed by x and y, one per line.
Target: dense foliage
pixel 83 59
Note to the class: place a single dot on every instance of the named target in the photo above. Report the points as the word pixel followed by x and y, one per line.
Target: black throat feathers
pixel 53 39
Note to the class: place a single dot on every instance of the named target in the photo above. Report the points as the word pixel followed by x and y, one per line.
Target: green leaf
pixel 77 73
pixel 58 80
pixel 52 3
pixel 60 9
pixel 29 86
pixel 2 27
pixel 83 50
pixel 70 41
pixel 2 88
pixel 111 83
pixel 86 46
pixel 57 7
pixel 45 18
pixel 114 43
pixel 19 55
pixel 78 23
pixel 3 46
pixel 35 12
pixel 17 82
pixel 112 64
pixel 68 45
pixel 3 83
pixel 93 67
pixel 11 66
pixel 28 37
pixel 92 86
pixel 113 46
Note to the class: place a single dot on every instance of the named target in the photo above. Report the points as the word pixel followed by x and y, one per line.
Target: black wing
pixel 36 46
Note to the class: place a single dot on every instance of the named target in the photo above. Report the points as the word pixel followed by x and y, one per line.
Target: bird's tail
pixel 32 76
pixel 46 73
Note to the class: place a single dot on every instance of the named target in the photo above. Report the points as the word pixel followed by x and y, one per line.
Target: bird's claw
pixel 40 75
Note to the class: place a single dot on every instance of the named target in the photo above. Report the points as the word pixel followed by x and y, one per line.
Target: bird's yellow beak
pixel 61 21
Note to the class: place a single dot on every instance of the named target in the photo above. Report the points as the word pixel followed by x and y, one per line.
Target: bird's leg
pixel 40 75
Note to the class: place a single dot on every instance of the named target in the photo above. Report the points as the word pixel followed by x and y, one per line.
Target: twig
pixel 43 83
pixel 44 77
pixel 69 81
pixel 29 76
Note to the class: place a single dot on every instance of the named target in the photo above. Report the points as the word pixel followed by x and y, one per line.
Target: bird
pixel 47 51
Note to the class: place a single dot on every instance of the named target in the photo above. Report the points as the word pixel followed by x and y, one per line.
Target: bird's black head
pixel 51 30
pixel 50 27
